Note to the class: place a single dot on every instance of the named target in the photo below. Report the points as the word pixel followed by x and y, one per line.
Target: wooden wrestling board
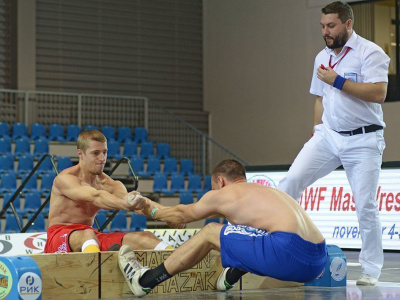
pixel 97 275
pixel 69 275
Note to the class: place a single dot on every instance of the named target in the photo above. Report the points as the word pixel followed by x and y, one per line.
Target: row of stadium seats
pixel 8 183
pixel 177 184
pixel 32 202
pixel 115 151
pixel 25 163
pixel 121 222
pixel 56 132
pixel 153 166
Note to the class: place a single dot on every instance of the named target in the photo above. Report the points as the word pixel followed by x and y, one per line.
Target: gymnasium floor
pixel 388 287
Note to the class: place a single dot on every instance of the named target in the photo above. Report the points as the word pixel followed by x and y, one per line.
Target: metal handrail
pixel 202 134
pixel 18 191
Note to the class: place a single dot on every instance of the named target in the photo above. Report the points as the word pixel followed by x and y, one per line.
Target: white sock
pixel 162 246
pixel 90 246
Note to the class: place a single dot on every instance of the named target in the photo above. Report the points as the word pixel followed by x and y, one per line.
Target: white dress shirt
pixel 365 62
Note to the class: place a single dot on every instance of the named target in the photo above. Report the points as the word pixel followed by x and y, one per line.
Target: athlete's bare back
pixel 248 204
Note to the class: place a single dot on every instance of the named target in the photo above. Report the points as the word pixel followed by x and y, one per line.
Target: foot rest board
pixel 97 275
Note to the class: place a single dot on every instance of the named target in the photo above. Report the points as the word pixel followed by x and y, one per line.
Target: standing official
pixel 350 81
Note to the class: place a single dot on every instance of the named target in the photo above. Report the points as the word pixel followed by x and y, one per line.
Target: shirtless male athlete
pixel 77 195
pixel 271 235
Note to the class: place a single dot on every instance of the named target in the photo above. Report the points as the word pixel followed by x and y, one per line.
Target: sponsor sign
pixel 33 243
pixel 6 280
pixel 22 243
pixel 330 204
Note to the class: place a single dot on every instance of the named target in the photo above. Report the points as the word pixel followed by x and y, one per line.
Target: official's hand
pixel 326 74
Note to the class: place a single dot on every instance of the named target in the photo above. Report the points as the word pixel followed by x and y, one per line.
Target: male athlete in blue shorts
pixel 271 235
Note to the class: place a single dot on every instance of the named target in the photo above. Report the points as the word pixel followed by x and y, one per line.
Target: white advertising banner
pixel 330 204
pixel 33 243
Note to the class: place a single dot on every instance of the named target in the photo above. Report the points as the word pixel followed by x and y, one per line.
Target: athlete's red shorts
pixel 58 238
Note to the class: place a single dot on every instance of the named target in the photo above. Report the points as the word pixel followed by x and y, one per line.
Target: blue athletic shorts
pixel 281 255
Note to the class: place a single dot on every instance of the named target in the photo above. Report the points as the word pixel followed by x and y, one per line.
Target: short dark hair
pixel 341 8
pixel 89 135
pixel 231 169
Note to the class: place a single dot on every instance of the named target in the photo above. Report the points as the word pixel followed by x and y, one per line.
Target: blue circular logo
pixel 338 268
pixel 30 280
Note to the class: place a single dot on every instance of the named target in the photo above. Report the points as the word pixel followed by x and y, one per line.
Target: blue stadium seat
pixel 130 148
pixel 38 130
pixel 124 134
pixel 119 223
pixel 11 224
pixel 101 218
pixel 19 130
pixel 46 166
pixel 146 149
pixel 200 194
pixel 186 198
pixel 63 162
pixel 4 129
pixel 40 147
pixel 207 183
pixel 38 224
pixel 109 132
pixel 46 209
pixel 153 166
pixel 22 146
pixel 186 166
pixel 194 183
pixel 138 222
pixel 140 135
pixel 25 164
pixel 138 166
pixel 163 150
pixel 114 149
pixel 5 145
pixel 160 182
pixel 73 132
pixel 46 184
pixel 177 184
pixel 170 166
pixel 8 183
pixel 33 202
pixel 215 220
pixel 88 127
pixel 31 185
pixel 56 133
pixel 17 202
pixel 6 163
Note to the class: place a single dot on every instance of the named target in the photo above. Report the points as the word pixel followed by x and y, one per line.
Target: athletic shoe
pixel 222 285
pixel 132 271
pixel 114 247
pixel 366 279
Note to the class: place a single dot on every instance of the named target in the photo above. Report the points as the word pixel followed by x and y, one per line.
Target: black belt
pixel 366 129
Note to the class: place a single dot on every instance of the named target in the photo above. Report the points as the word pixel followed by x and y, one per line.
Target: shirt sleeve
pixel 375 66
pixel 317 85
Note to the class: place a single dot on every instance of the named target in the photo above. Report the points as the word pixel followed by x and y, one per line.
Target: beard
pixel 339 41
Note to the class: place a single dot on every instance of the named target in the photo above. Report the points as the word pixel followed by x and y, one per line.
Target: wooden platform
pixel 97 275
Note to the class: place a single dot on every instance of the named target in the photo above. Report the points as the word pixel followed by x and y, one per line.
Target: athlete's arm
pixel 71 187
pixel 207 207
